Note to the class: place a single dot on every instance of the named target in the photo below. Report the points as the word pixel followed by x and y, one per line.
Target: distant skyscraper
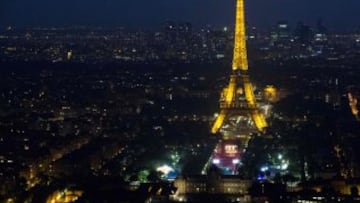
pixel 303 33
pixel 281 33
pixel 321 29
pixel 320 33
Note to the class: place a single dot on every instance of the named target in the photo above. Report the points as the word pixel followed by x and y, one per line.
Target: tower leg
pixel 218 122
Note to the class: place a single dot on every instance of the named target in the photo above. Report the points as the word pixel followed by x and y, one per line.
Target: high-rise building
pixel 281 33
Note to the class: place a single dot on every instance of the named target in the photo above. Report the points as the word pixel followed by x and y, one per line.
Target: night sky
pixel 336 14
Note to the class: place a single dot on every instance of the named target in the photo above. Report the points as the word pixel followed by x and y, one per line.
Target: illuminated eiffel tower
pixel 239 116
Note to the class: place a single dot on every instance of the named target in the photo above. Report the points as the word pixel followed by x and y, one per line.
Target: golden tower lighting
pixel 238 99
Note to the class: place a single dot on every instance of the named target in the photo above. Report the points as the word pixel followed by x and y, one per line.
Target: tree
pixel 154 176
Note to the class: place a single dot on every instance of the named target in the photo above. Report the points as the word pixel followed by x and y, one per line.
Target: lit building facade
pixel 226 157
pixel 232 188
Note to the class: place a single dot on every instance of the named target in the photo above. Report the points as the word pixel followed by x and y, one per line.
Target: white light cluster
pixel 216 161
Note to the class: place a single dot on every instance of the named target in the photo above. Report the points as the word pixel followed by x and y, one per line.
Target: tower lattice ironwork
pixel 240 115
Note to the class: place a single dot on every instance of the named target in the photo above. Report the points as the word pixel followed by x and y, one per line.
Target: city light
pixel 231 150
pixel 284 166
pixel 216 161
pixel 165 169
pixel 235 161
pixel 264 169
pixel 119 114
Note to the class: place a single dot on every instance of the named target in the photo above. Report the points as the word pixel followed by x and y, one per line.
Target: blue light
pixel 261 177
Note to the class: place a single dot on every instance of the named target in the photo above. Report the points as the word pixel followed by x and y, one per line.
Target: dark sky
pixel 336 14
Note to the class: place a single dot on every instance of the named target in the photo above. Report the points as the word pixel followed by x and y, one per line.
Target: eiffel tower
pixel 240 117
pixel 239 114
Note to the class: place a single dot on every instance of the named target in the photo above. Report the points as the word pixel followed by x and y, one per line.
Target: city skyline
pixel 146 14
pixel 93 110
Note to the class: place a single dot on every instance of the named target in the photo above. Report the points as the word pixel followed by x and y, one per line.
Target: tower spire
pixel 240 61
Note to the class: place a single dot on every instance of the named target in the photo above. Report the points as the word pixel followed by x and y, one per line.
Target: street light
pixel 216 161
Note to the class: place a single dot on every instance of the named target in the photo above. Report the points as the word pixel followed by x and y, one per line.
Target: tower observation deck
pixel 239 117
